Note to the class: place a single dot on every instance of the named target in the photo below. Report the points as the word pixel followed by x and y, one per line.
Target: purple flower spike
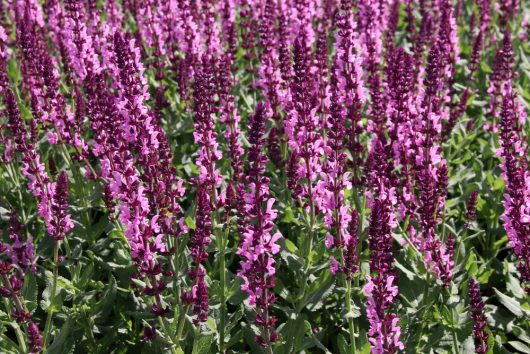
pixel 258 245
pixel 381 288
pixel 516 174
pixel 479 318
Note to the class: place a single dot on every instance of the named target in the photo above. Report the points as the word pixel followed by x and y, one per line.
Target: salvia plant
pixel 264 176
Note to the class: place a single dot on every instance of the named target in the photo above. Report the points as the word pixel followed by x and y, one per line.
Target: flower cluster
pixel 331 122
pixel 479 319
pixel 19 250
pixel 52 197
pixel 15 258
pixel 258 246
pixel 381 288
pixel 199 241
pixel 516 203
pixel 337 214
pixel 471 213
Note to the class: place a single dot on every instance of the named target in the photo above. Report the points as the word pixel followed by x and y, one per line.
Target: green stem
pixel 453 325
pixel 455 341
pixel 164 325
pixel 222 319
pixel 51 308
pixel 308 246
pixel 423 310
pixel 181 322
pixel 85 217
pixel 351 323
pixel 161 319
pixel 89 332
pixel 306 250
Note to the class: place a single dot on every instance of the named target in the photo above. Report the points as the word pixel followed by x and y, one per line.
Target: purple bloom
pixel 337 215
pixel 77 41
pixel 258 246
pixel 20 251
pixel 502 72
pixel 302 131
pixel 351 86
pixel 471 213
pixel 35 340
pixel 52 197
pixel 381 288
pixel 149 333
pixel 479 318
pixel 204 134
pixel 199 241
pixel 60 223
pixel 516 174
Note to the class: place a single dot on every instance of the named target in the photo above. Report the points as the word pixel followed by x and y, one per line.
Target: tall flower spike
pixel 516 174
pixel 351 85
pixel 61 222
pixel 337 215
pixel 198 296
pixel 258 246
pixel 502 72
pixel 479 318
pixel 35 340
pixel 471 213
pixel 381 288
pixel 52 207
pixel 21 252
pixel 302 126
pixel 204 134
pixel 78 42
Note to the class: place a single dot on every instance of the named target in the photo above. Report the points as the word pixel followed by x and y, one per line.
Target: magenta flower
pixel 502 72
pixel 51 197
pixel 77 41
pixel 479 318
pixel 381 288
pixel 516 203
pixel 198 296
pixel 204 134
pixel 335 179
pixel 35 340
pixel 258 246
pixel 302 130
pixel 471 213
pixel 19 249
pixel 348 69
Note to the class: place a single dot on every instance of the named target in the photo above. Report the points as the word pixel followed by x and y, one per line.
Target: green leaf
pixel 293 332
pixel 342 344
pixel 511 304
pixel 520 346
pixel 291 246
pixel 13 71
pixel 104 306
pixel 471 264
pixel 139 283
pixel 318 292
pixel 288 216
pixel 202 344
pixel 62 342
pixel 190 223
pixel 485 67
pixel 354 313
pixel 234 319
pixel 8 346
pixel 30 291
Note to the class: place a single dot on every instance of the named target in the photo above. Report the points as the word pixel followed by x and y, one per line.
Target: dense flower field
pixel 264 176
